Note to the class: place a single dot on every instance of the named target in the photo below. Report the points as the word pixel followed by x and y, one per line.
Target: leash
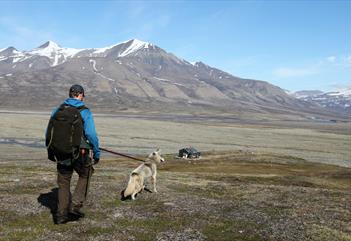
pixel 121 154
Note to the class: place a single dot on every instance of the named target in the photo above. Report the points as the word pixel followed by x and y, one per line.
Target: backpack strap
pixel 61 107
pixel 81 108
pixel 84 142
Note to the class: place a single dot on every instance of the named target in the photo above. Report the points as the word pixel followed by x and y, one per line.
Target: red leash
pixel 121 154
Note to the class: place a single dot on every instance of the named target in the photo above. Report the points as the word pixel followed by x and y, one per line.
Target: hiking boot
pixel 61 219
pixel 77 213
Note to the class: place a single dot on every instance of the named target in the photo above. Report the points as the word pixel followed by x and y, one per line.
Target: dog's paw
pixel 123 198
pixel 147 189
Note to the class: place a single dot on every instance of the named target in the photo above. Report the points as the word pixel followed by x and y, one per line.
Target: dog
pixel 146 170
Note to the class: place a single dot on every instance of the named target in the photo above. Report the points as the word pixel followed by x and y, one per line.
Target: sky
pixel 296 45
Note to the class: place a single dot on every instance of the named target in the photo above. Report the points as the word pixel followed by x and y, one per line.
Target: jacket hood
pixel 73 102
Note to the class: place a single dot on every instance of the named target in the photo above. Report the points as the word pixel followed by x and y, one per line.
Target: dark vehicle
pixel 189 152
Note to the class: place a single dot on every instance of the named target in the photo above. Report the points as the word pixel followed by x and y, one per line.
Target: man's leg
pixel 64 175
pixel 84 168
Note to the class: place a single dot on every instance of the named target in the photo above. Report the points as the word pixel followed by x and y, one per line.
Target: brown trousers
pixel 67 202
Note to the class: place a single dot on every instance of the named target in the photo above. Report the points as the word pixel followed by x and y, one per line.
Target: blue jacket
pixel 89 126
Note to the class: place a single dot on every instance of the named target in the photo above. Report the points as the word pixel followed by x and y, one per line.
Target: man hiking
pixel 70 137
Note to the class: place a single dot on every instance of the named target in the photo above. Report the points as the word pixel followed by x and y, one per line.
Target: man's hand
pixel 51 156
pixel 96 161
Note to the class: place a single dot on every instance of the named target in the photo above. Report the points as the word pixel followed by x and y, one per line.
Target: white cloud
pixel 347 60
pixel 331 59
pixel 341 61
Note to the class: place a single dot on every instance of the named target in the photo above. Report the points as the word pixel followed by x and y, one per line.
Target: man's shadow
pixel 49 200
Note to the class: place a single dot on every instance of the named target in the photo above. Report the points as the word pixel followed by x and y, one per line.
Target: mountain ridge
pixel 135 75
pixel 339 99
pixel 51 49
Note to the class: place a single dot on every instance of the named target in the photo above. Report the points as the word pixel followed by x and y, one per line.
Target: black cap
pixel 76 89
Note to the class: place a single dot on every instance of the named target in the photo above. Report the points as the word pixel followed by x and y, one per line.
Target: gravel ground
pixel 235 195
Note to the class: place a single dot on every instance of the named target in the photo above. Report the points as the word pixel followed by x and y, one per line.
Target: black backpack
pixel 64 134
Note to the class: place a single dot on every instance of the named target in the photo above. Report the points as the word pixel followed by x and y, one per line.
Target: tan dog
pixel 146 170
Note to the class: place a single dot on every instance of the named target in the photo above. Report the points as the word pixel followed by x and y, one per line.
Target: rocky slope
pixel 338 100
pixel 133 75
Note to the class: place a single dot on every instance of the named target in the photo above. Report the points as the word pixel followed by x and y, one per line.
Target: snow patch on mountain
pixel 18 58
pixel 334 100
pixel 105 77
pixel 164 80
pixel 54 52
pixel 305 93
pixel 194 63
pixel 342 92
pixel 135 46
pixel 289 92
pixel 58 55
pixel 93 62
pixel 103 50
pixel 50 49
pixel 11 53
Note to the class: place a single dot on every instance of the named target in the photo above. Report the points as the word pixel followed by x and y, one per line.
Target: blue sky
pixel 295 45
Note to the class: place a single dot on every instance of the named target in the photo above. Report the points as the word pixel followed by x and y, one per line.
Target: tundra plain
pixel 256 181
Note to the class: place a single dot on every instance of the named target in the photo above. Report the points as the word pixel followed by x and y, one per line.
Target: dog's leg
pixel 133 196
pixel 153 179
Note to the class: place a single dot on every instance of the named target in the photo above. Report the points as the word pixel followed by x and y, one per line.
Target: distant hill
pixel 135 76
pixel 338 100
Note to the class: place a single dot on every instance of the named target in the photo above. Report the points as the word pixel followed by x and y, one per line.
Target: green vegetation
pixel 223 196
pixel 269 186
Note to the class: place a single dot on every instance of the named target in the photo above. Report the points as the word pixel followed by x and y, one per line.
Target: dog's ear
pixel 158 150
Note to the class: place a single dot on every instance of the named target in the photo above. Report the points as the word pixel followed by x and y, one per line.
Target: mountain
pixel 137 76
pixel 306 93
pixel 338 100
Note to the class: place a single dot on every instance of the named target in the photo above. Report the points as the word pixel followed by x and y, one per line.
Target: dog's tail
pixel 132 185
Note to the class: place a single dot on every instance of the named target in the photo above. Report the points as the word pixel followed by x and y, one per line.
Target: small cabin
pixel 189 152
